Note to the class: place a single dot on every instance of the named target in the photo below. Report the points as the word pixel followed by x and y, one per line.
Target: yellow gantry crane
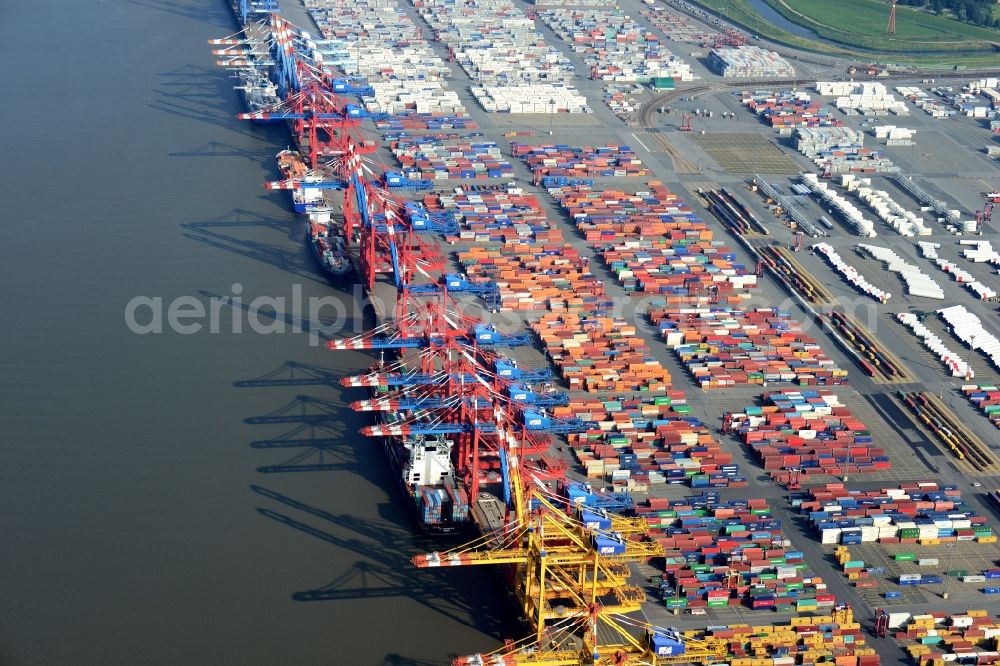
pixel 570 572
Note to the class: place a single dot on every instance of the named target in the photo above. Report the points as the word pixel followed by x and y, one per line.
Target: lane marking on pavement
pixel 641 143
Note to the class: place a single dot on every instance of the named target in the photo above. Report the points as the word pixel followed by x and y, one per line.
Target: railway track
pixel 790 273
pixel 948 430
pixel 876 361
pixel 681 163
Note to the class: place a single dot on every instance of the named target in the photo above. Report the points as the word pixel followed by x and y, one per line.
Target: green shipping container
pixel 662 400
pixel 663 83
pixel 905 557
pixel 957 573
pixel 909 533
pixel 722 603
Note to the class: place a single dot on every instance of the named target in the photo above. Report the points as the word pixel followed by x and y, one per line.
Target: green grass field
pixel 741 13
pixel 863 22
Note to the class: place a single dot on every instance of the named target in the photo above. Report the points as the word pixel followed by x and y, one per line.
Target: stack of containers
pixel 850 273
pixel 993 95
pixel 986 398
pixel 501 49
pixel 404 97
pixel 840 150
pixel 808 431
pixel 494 213
pixel 816 639
pixel 459 503
pixel 917 282
pixel 649 442
pixel 596 353
pixel 732 553
pixel 788 109
pixel 920 513
pixel 894 136
pixel 676 27
pixel 681 271
pixel 533 98
pixel 435 504
pixel 376 40
pixel 573 161
pixel 966 327
pixel 813 143
pixel 867 97
pixel 607 216
pixel 534 276
pixel 962 276
pixel 412 121
pixel 674 256
pixel 813 639
pixel 513 245
pixel 938 638
pixel 623 100
pixel 614 46
pixel 726 347
pixel 751 62
pixel 904 222
pixel 433 158
pixel 924 101
pixel 844 208
pixel 958 366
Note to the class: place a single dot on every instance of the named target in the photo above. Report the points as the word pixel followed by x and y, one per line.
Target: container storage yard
pixel 749 62
pixel 614 46
pixel 658 423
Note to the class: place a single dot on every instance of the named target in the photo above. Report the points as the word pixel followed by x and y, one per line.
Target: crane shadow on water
pixel 219 149
pixel 293 373
pixel 302 409
pixel 385 571
pixel 206 95
pixel 321 439
pixel 241 218
pixel 292 258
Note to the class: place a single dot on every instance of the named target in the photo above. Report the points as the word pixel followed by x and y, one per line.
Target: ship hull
pixel 397 457
pixel 335 276
pixel 430 529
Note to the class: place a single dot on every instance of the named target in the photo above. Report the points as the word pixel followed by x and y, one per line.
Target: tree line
pixel 978 12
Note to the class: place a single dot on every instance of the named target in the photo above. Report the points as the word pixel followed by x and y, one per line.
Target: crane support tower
pixel 890 29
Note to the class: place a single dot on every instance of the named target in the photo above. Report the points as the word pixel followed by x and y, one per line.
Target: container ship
pixel 258 91
pixel 293 167
pixel 423 468
pixel 325 237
